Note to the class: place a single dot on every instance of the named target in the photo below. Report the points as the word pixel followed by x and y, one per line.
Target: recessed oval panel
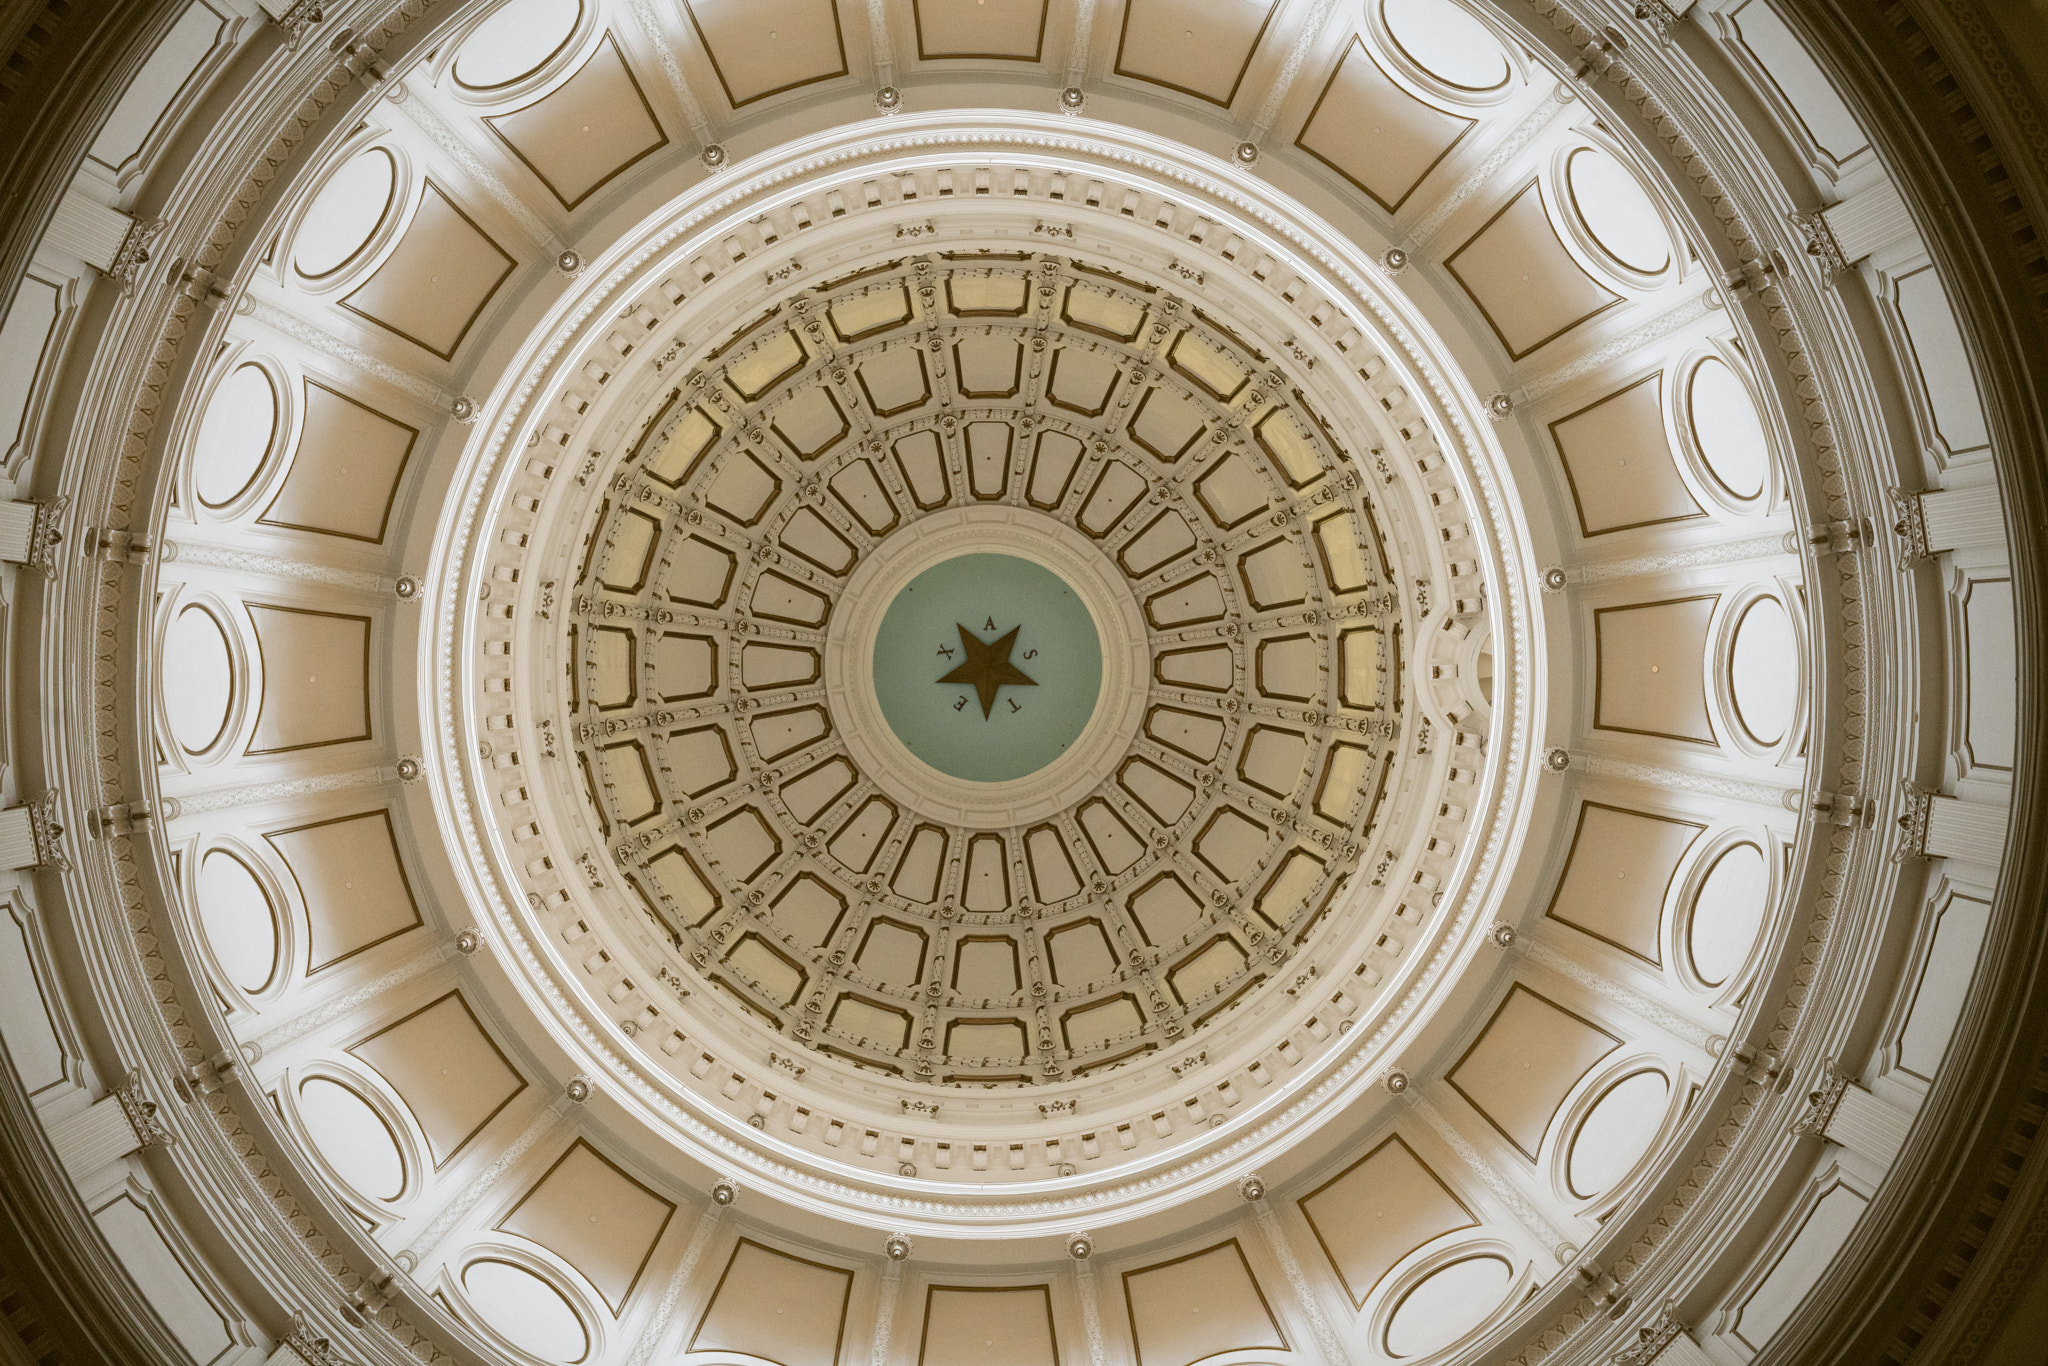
pixel 1726 427
pixel 1763 671
pixel 1727 913
pixel 1616 1133
pixel 515 42
pixel 239 921
pixel 346 214
pixel 1448 43
pixel 198 679
pixel 1446 1305
pixel 235 436
pixel 353 1138
pixel 1617 211
pixel 526 1311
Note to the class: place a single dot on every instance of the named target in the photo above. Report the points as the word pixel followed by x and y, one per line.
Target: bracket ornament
pixel 1822 1102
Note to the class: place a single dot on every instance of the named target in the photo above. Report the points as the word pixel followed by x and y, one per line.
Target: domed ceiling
pixel 976 680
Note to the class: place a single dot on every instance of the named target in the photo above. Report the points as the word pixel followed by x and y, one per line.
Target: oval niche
pixel 353 1138
pixel 1617 211
pixel 1763 671
pixel 1727 429
pixel 520 39
pixel 235 436
pixel 1616 1133
pixel 197 678
pixel 239 921
pixel 1726 913
pixel 1446 1305
pixel 346 214
pixel 526 1311
pixel 1448 43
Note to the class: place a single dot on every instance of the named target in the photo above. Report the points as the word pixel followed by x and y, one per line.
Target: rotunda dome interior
pixel 1020 681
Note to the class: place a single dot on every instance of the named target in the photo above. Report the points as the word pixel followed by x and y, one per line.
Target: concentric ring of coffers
pixel 887 924
pixel 680 1020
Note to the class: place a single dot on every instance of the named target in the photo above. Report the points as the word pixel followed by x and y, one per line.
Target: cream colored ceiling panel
pixel 744 843
pixel 1525 1062
pixel 1726 912
pixel 1444 40
pixel 630 555
pixel 976 1325
pixel 1991 664
pixel 197 677
pixel 353 1138
pixel 701 757
pixel 595 1217
pixel 614 674
pixel 1617 1130
pixel 1230 844
pixel 1272 759
pixel 1110 838
pixel 1053 877
pixel 894 381
pixel 1165 909
pixel 239 919
pixel 1233 492
pixel 985 882
pixel 236 436
pixel 343 478
pixel 1526 285
pixel 517 40
pixel 1651 669
pixel 1204 972
pixel 868 1024
pixel 763 47
pixel 1374 133
pixel 860 837
pixel 1446 1305
pixel 988 458
pixel 1375 1212
pixel 809 909
pixel 1617 875
pixel 631 792
pixel 437 281
pixel 1725 428
pixel 1102 1024
pixel 1208 668
pixel 1080 953
pixel 446 1069
pixel 526 1310
pixel 892 953
pixel 1011 30
pixel 1616 211
pixel 1763 671
pixel 1197 1306
pixel 1619 464
pixel 986 965
pixel 352 883
pixel 768 968
pixel 986 1041
pixel 587 130
pixel 685 667
pixel 678 875
pixel 316 679
pixel 1198 47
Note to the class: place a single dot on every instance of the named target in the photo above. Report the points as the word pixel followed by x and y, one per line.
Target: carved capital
pixel 1911 527
pixel 1913 818
pixel 1822 1102
pixel 1821 242
pixel 294 17
pixel 309 1346
pixel 44 535
pixel 141 1112
pixel 133 253
pixel 1651 1340
pixel 47 834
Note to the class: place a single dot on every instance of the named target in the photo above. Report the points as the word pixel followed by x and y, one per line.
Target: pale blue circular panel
pixel 1027 725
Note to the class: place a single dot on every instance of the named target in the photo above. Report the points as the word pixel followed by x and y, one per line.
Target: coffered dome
pixel 1029 681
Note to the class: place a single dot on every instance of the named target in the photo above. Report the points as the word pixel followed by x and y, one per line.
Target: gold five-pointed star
pixel 988 667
